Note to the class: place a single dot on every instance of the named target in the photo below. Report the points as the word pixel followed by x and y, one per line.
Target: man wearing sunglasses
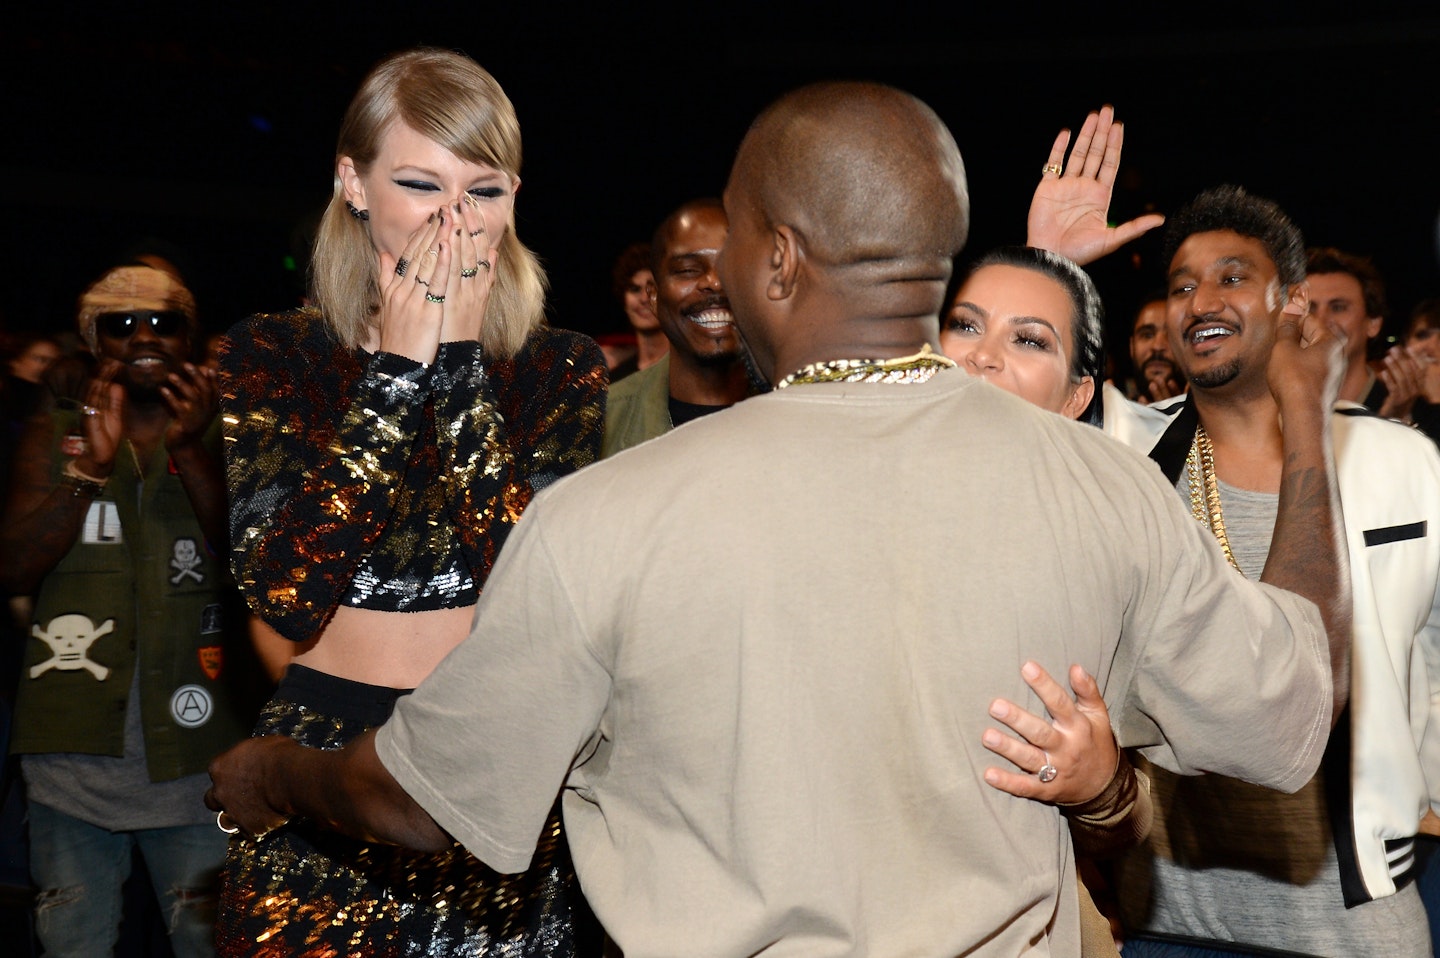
pixel 117 525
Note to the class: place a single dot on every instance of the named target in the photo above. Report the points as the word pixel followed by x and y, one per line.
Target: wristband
pixel 82 485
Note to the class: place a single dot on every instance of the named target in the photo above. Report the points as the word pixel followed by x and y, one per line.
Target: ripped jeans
pixel 79 869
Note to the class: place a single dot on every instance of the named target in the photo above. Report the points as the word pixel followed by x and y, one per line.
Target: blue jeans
pixel 80 868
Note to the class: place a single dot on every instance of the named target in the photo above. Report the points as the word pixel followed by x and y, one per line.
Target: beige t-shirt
pixel 767 642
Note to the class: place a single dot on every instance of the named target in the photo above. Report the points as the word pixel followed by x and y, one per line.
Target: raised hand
pixel 1307 361
pixel 101 421
pixel 412 296
pixel 1075 749
pixel 1162 386
pixel 193 398
pixel 1404 380
pixel 472 274
pixel 1069 212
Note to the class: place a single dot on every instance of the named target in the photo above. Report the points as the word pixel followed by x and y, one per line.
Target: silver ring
pixel 432 298
pixel 90 410
pixel 1047 771
pixel 220 823
pixel 401 265
pixel 432 252
pixel 1051 168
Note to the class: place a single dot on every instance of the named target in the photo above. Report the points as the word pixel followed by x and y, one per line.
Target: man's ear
pixel 785 257
pixel 351 185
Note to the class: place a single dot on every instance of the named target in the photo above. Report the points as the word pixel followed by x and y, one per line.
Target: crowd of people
pixel 853 644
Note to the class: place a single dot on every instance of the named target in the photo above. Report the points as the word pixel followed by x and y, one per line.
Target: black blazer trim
pixel 1411 530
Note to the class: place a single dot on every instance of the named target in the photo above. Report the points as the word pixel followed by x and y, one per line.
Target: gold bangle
pixel 82 484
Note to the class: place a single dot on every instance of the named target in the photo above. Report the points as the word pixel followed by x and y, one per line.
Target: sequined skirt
pixel 306 891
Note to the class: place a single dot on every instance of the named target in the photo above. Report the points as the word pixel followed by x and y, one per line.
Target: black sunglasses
pixel 166 322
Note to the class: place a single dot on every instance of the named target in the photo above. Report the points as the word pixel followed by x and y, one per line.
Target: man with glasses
pixel 117 525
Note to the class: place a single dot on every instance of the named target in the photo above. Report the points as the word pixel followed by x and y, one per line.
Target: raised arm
pixel 1308 553
pixel 1069 212
pixel 193 401
pixel 46 507
pixel 524 422
pixel 313 475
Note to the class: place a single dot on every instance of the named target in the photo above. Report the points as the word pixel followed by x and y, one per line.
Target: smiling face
pixel 147 351
pixel 1224 303
pixel 413 177
pixel 1014 327
pixel 1340 299
pixel 689 299
pixel 1423 340
pixel 1149 344
pixel 637 302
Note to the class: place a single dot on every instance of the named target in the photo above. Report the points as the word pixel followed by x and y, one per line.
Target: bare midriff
pixel 393 649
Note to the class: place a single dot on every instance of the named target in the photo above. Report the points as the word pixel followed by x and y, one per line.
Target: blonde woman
pixel 379 448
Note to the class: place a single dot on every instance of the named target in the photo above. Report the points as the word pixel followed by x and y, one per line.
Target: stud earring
pixel 358 214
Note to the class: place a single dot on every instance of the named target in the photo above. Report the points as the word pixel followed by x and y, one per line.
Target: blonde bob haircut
pixel 451 99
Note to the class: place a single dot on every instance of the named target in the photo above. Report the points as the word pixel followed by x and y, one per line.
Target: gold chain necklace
pixel 135 458
pixel 1205 490
pixel 915 368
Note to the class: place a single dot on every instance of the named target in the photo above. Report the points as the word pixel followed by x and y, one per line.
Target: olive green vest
pixel 139 589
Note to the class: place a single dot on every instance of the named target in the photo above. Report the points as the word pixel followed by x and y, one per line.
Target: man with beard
pixel 117 518
pixel 1156 376
pixel 703 372
pixel 767 720
pixel 1325 871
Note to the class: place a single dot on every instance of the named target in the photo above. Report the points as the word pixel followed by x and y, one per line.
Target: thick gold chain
pixel 1205 490
pixel 906 369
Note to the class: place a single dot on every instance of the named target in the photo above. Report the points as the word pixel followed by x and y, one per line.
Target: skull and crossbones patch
pixel 185 561
pixel 70 637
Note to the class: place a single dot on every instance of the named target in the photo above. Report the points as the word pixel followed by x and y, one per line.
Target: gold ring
pixel 220 823
pixel 1051 168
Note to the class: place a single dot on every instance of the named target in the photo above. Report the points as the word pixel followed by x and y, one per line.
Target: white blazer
pixel 1389 477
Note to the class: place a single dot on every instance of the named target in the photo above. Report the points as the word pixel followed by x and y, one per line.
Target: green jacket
pixel 139 579
pixel 638 408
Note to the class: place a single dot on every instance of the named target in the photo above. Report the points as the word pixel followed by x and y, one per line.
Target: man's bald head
pixel 847 204
pixel 865 173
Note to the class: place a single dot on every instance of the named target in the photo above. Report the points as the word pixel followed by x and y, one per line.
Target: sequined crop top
pixel 381 483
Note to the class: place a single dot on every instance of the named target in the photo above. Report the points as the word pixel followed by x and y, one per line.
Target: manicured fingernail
pixel 431 219
pixel 457 207
pixel 457 231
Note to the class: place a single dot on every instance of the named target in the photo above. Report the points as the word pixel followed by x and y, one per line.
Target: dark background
pixel 215 132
